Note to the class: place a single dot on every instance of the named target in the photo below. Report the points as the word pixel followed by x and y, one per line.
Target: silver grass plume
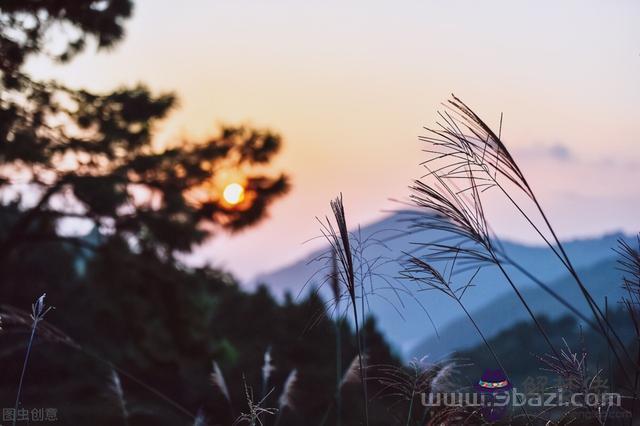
pixel 629 265
pixel 353 373
pixel 475 157
pixel 256 410
pixel 200 419
pixel 405 383
pixel 340 243
pixel 38 311
pixel 285 399
pixel 217 379
pixel 442 377
pixel 115 386
pixel 14 318
pixel 267 369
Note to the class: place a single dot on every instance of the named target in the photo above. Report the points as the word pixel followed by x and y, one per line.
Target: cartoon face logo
pixel 494 388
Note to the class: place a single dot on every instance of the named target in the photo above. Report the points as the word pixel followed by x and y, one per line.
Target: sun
pixel 233 193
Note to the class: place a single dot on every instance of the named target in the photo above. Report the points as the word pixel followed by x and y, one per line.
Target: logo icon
pixel 494 388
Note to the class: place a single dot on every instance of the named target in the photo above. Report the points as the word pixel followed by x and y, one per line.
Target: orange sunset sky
pixel 349 85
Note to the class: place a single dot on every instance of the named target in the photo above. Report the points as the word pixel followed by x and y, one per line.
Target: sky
pixel 350 85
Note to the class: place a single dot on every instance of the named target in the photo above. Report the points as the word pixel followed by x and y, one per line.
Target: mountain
pixel 407 314
pixel 602 280
pixel 522 356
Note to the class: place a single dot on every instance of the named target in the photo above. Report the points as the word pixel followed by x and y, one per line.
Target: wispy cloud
pixel 559 152
pixel 556 151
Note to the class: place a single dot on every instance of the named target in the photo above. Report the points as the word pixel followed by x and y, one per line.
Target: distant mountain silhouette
pixel 520 352
pixel 602 279
pixel 411 318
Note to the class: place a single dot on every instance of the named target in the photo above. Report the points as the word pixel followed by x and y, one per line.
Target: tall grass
pixel 267 370
pixel 285 401
pixel 17 319
pixel 38 312
pixel 117 391
pixel 353 374
pixel 219 383
pixel 467 159
pixel 629 265
pixel 424 273
pixel 341 246
pixel 335 289
pixel 255 409
pixel 465 150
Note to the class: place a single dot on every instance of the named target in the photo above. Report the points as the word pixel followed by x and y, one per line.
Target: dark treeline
pixel 165 324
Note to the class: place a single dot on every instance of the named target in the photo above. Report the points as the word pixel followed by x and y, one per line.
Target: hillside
pixel 409 316
pixel 522 356
pixel 602 279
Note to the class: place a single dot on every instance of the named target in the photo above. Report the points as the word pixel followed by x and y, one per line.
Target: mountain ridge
pixel 402 318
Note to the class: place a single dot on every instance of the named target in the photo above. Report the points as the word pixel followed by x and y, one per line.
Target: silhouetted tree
pixel 90 157
pixel 25 25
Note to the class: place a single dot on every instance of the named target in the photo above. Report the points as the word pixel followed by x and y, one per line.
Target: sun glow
pixel 233 193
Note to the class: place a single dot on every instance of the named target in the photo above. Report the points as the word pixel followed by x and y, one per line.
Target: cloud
pixel 618 163
pixel 560 152
pixel 557 151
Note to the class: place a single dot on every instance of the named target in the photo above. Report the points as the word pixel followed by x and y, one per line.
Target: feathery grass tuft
pixel 353 374
pixel 255 409
pixel 200 419
pixel 267 369
pixel 115 386
pixel 475 157
pixel 217 379
pixel 341 245
pixel 286 397
pixel 38 312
